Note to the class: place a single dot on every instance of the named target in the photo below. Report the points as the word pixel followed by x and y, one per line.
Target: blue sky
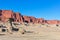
pixel 47 9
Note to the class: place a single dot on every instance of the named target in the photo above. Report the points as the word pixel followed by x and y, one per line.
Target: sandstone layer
pixel 6 14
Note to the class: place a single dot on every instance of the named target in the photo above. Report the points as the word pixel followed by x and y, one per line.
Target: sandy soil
pixel 41 36
pixel 39 33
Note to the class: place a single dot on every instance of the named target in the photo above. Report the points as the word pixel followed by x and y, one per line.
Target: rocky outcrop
pixel 6 14
pixel 53 22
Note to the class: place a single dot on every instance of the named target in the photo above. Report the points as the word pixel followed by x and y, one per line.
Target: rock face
pixel 6 14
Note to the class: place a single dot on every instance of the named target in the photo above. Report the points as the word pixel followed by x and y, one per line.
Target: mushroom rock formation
pixel 6 14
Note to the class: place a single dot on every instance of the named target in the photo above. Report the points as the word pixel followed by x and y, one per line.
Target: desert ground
pixel 35 32
pixel 41 36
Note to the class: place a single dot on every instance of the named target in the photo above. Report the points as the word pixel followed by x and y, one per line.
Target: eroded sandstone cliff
pixel 6 14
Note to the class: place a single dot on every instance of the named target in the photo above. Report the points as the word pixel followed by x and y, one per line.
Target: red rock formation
pixel 53 22
pixel 32 19
pixel 5 14
pixel 26 19
pixel 18 17
pixel 40 20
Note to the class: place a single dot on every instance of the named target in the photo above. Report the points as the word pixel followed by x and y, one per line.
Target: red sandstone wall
pixel 5 14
